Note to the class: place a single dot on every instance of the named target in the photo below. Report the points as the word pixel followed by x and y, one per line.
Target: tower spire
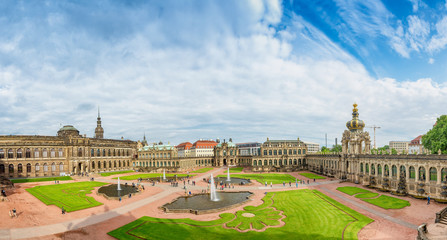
pixel 99 131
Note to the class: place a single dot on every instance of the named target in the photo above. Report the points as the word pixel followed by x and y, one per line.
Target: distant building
pixel 158 151
pixel 203 148
pixel 416 147
pixel 312 147
pixel 249 149
pixel 184 149
pixel 399 146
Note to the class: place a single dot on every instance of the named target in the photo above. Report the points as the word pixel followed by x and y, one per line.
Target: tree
pixel 325 149
pixel 393 151
pixel 436 139
pixel 336 148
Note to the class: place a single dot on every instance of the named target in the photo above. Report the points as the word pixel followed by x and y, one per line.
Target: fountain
pixel 213 193
pixel 164 175
pixel 228 175
pixel 118 185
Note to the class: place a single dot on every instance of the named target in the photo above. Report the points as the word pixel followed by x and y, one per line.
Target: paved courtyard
pixel 37 221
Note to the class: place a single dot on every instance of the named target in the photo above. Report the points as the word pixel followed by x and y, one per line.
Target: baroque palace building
pixel 419 175
pixel 65 154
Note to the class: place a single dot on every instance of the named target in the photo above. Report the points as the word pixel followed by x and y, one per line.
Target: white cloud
pixel 431 60
pixel 439 41
pixel 189 74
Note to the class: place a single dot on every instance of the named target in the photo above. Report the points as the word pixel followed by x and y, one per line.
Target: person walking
pixel 283 184
pixel 271 184
pixel 14 212
pixel 63 210
pixel 428 200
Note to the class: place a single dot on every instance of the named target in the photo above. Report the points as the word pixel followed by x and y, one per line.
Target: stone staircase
pixel 443 220
pixel 441 216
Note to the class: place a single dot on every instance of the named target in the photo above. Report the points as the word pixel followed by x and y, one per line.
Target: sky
pixel 181 71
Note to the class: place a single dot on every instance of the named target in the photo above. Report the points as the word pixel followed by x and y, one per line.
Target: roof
pixel 229 144
pixel 68 127
pixel 156 147
pixel 249 144
pixel 417 140
pixel 201 143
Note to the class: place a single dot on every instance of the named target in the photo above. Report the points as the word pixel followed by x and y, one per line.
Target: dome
pixel 68 130
pixel 355 124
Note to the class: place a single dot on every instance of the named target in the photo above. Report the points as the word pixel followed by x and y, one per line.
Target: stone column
pixel 438 175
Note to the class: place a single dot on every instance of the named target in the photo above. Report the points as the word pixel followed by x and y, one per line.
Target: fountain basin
pixel 201 203
pixel 111 192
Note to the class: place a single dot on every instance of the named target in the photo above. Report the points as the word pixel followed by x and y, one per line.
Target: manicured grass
pixel 352 190
pixel 382 201
pixel 367 195
pixel 275 178
pixel 106 174
pixel 203 170
pixel 152 175
pixel 235 170
pixel 309 215
pixel 312 176
pixel 24 180
pixel 388 202
pixel 71 196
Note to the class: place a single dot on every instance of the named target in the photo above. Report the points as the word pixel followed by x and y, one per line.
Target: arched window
pixel 19 153
pixel 412 173
pixel 387 171
pixel 158 164
pixel 93 165
pixel 433 174
pixel 2 153
pixel 444 174
pixel 92 152
pixel 28 153
pixel 402 171
pixel 98 152
pixel 114 164
pixel 45 167
pixel 421 174
pixel 393 171
pixel 19 168
pixel 127 152
pixel 295 162
pixel 53 167
pixel 28 167
pixel 2 168
pixel 255 163
pixel 379 169
pixel 114 152
pixel 290 161
pixel 373 169
pixel 276 162
pixel 53 153
pixel 37 167
pixel 10 153
pixel 61 153
pixel 299 151
pixel 36 153
pixel 118 152
pixel 270 162
pixel 361 167
pixel 104 152
pixel 44 153
pixel 11 168
pixel 61 167
pixel 99 164
pixel 79 152
pixel 119 163
pixel 265 162
pixel 367 168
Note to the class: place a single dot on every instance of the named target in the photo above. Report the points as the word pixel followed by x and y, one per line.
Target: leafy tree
pixel 393 151
pixel 336 148
pixel 436 139
pixel 325 149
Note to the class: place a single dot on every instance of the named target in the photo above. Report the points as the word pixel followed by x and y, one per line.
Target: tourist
pixel 307 181
pixel 265 184
pixel 290 184
pixel 271 184
pixel 130 195
pixel 428 200
pixel 63 210
pixel 283 184
pixel 314 179
pixel 120 198
pixel 142 187
pixel 55 181
pixel 14 212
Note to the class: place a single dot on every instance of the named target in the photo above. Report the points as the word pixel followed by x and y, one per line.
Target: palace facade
pixel 65 154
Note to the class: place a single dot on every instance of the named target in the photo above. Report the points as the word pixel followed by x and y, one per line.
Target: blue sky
pixel 183 70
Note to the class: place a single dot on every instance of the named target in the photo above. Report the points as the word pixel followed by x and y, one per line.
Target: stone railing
pixel 422 232
pixel 440 215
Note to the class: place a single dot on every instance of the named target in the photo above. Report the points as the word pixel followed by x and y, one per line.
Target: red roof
pixel 204 144
pixel 184 145
pixel 416 141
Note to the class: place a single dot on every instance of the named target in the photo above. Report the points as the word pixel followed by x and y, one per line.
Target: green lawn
pixel 312 176
pixel 275 178
pixel 71 196
pixel 24 180
pixel 151 175
pixel 387 202
pixel 106 174
pixel 203 170
pixel 367 195
pixel 235 170
pixel 309 215
pixel 352 190
pixel 382 201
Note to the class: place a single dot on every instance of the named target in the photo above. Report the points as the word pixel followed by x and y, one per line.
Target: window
pixel 11 168
pixel 36 153
pixel 270 162
pixel 276 162
pixel 379 169
pixel 412 173
pixel 361 167
pixel 2 168
pixel 275 152
pixel 290 151
pixel 19 168
pixel 294 151
pixel 45 167
pixel 37 167
pixel 279 152
pixel 53 153
pixel 53 167
pixel 61 154
pixel 79 152
pixel 28 153
pixel 366 168
pixel 394 171
pixel 270 152
pixel 265 162
pixel 44 153
pixel 421 174
pixel 10 153
pixel 61 167
pixel 373 169
pixel 28 167
pixel 2 153
pixel 19 153
pixel 92 153
pixel 433 174
pixel 387 171
pixel 255 163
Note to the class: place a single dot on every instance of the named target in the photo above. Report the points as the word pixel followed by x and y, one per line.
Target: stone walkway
pixel 372 211
pixel 39 231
